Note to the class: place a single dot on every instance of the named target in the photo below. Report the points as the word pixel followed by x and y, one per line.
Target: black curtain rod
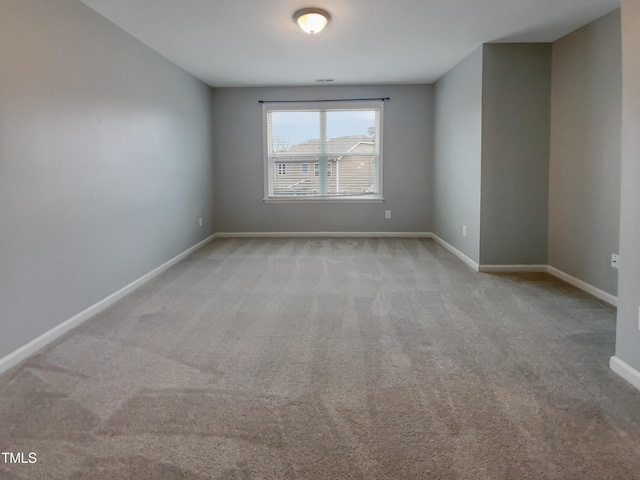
pixel 324 101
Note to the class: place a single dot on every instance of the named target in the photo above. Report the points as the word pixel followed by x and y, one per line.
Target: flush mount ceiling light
pixel 312 20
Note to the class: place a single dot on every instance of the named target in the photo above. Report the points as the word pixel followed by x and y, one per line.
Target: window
pixel 343 141
pixel 316 169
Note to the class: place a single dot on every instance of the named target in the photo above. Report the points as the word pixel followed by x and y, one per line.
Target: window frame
pixel 314 106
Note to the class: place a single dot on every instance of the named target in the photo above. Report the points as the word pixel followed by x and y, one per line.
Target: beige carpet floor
pixel 329 359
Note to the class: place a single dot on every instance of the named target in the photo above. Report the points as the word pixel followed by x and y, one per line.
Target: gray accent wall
pixel 458 148
pixel 105 163
pixel 407 164
pixel 584 181
pixel 628 335
pixel 492 154
pixel 516 86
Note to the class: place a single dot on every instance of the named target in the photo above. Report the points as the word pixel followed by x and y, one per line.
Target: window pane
pixel 346 128
pixel 356 175
pixel 301 129
pixel 293 179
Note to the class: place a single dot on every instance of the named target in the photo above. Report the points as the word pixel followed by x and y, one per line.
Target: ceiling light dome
pixel 312 20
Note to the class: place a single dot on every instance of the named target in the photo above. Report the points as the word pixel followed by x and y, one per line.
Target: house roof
pixel 334 145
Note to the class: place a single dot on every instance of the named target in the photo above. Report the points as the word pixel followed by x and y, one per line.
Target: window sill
pixel 344 199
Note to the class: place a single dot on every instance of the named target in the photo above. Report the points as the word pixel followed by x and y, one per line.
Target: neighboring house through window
pixel 343 141
pixel 316 169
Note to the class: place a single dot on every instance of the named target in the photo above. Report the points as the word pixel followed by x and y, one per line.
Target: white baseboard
pixel 576 282
pixel 32 347
pixel 596 292
pixel 323 234
pixel 512 268
pixel 626 371
pixel 56 332
pixel 455 251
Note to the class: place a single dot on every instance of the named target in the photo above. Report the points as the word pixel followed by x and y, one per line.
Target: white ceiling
pixel 256 42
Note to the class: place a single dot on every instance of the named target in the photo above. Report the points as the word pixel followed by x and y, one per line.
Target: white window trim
pixel 314 106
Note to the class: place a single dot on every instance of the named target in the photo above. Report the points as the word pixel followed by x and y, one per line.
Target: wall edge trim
pixel 323 234
pixel 512 268
pixel 456 252
pixel 32 347
pixel 625 370
pixel 27 350
pixel 582 285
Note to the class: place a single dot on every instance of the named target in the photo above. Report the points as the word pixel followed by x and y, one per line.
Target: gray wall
pixel 407 164
pixel 584 181
pixel 628 336
pixel 458 141
pixel 105 163
pixel 516 90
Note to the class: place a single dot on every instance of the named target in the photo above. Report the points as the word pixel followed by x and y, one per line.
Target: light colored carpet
pixel 329 359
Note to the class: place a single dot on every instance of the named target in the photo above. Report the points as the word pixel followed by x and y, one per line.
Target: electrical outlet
pixel 200 222
pixel 464 230
pixel 614 260
pixel 387 214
